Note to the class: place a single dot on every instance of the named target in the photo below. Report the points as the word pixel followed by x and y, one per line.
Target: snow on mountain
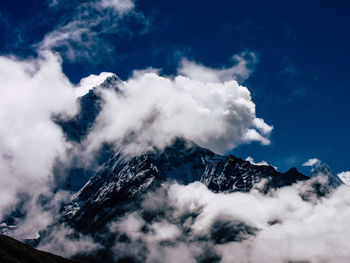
pixel 345 177
pixel 326 175
pixel 117 187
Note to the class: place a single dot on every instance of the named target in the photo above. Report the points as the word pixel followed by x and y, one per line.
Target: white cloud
pixel 218 115
pixel 61 243
pixel 312 162
pixel 251 160
pixel 30 143
pixel 240 71
pixel 79 34
pixel 345 177
pixel 120 6
pixel 91 81
pixel 278 227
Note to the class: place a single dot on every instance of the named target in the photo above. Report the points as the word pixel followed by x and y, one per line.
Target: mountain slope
pixel 118 186
pixel 13 251
pixel 345 177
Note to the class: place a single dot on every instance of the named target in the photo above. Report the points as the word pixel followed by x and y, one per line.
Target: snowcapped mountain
pixel 77 128
pixel 345 177
pixel 117 187
pixel 122 181
pixel 323 171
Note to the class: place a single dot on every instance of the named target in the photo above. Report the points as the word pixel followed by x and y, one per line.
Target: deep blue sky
pixel 300 84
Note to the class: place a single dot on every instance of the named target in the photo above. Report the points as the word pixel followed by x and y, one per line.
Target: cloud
pixel 91 81
pixel 218 115
pixel 251 160
pixel 32 91
pixel 66 242
pixel 240 71
pixel 345 177
pixel 236 227
pixel 81 32
pixel 120 6
pixel 312 162
pixel 176 222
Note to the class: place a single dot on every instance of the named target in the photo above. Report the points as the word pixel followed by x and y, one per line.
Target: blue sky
pixel 300 81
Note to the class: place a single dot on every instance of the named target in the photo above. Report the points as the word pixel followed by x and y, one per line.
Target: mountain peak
pixel 111 82
pixel 123 181
pixel 322 170
pixel 292 170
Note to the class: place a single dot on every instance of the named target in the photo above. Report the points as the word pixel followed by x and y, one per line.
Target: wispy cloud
pixel 243 66
pixel 82 32
pixel 311 162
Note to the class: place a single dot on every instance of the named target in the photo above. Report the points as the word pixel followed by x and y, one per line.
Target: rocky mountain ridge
pixel 122 181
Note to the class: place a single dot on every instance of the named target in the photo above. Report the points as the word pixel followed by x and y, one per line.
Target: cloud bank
pixel 149 110
pixel 194 224
pixel 30 143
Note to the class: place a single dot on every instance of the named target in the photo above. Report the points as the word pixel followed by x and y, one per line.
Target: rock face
pixel 13 251
pixel 121 182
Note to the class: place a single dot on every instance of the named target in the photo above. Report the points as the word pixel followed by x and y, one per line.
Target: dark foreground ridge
pixel 13 251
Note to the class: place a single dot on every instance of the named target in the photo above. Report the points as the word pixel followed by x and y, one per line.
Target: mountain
pixel 345 177
pixel 76 129
pixel 323 171
pixel 13 251
pixel 119 185
pixel 90 105
pixel 122 183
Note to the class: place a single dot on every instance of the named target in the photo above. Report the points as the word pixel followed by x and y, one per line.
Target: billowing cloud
pixel 190 221
pixel 238 227
pixel 218 115
pixel 30 143
pixel 60 244
pixel 311 162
